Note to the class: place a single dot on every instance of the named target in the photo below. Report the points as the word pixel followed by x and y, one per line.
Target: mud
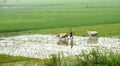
pixel 42 46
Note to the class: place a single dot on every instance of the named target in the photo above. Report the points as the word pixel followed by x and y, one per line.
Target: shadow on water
pixel 71 42
pixel 92 40
pixel 65 42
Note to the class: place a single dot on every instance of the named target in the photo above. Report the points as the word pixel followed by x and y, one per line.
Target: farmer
pixel 71 33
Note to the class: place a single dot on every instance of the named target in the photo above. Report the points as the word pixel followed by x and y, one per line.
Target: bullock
pixel 92 33
pixel 62 35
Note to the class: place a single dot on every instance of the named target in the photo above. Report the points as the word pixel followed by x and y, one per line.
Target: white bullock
pixel 92 33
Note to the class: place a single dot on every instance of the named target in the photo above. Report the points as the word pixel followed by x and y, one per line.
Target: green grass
pixel 7 58
pixel 94 58
pixel 103 30
pixel 106 30
pixel 34 19
pixel 43 2
pixel 69 14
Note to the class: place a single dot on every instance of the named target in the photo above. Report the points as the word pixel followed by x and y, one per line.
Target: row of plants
pixel 95 57
pixel 79 31
pixel 42 17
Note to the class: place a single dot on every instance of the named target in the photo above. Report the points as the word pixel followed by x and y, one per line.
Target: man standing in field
pixel 71 33
pixel 71 37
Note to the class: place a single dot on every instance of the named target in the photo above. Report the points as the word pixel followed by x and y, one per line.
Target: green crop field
pixel 49 14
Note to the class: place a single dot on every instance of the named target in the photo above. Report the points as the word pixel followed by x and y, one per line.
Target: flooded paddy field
pixel 42 46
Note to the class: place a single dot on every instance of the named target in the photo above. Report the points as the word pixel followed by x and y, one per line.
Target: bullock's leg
pixel 66 37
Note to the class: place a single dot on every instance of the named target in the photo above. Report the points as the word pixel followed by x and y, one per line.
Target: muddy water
pixel 42 46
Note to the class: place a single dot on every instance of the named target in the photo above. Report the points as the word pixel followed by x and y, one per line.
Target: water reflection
pixel 71 42
pixel 92 40
pixel 65 42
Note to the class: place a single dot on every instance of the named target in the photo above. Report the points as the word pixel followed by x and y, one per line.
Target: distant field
pixel 39 2
pixel 29 16
pixel 103 30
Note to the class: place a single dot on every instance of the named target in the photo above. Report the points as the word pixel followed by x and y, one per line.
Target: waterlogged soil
pixel 42 46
